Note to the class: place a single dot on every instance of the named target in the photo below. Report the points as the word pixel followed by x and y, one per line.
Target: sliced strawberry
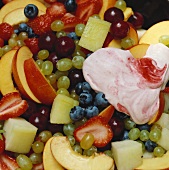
pixel 87 8
pixel 7 163
pixel 97 126
pixel 32 44
pixel 12 105
pixel 38 167
pixel 41 24
pixel 57 10
pixel 2 142
pixel 70 21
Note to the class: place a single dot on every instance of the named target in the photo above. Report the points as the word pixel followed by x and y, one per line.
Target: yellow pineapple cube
pixel 94 34
pixel 19 135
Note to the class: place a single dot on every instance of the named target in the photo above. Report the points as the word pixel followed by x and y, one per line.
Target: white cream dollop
pixel 128 83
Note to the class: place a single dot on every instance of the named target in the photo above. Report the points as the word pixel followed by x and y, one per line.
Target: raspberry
pixel 6 31
pixel 32 43
pixel 41 24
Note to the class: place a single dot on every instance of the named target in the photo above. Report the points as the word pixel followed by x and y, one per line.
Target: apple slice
pixel 139 50
pixel 152 35
pixel 12 5
pixel 69 159
pixel 158 163
pixel 49 161
pixel 18 72
pixel 38 83
pixel 13 19
pixel 6 82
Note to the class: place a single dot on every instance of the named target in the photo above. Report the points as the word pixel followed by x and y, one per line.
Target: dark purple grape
pixel 136 20
pixel 54 128
pixel 113 14
pixel 47 41
pixel 119 29
pixel 44 110
pixel 64 46
pixel 54 59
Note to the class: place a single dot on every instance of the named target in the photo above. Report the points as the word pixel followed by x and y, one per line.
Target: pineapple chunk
pixel 164 121
pixel 94 34
pixel 164 140
pixel 61 108
pixel 19 135
pixel 127 154
pixel 127 13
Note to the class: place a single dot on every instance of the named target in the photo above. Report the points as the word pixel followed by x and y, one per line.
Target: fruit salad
pixel 83 86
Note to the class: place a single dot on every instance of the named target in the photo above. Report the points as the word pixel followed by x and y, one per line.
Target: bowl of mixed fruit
pixel 83 85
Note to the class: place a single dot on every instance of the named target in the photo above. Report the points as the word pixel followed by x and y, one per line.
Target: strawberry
pixel 6 31
pixel 41 24
pixel 2 142
pixel 57 10
pixel 87 8
pixel 70 21
pixel 97 126
pixel 7 162
pixel 32 43
pixel 38 167
pixel 12 105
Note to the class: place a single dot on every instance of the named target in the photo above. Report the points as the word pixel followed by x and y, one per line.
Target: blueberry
pixel 76 113
pixel 31 33
pixel 91 111
pixel 85 99
pixel 82 86
pixel 144 127
pixel 100 100
pixel 70 5
pixel 125 135
pixel 150 145
pixel 86 86
pixel 31 11
pixel 23 27
pixel 78 88
pixel 73 36
pixel 121 115
pixel 16 31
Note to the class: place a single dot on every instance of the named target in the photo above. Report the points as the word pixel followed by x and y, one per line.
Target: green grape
pixel 12 42
pixel 143 146
pixel 23 36
pixel 127 43
pixel 164 39
pixel 155 135
pixel 24 162
pixel 77 62
pixel 60 34
pixel 129 124
pixel 38 146
pixel 156 126
pixel 79 28
pixel 108 153
pixel 71 140
pixel 134 134
pixel 61 73
pixel 78 52
pixel 68 129
pixel 64 64
pixel 36 158
pixel 51 78
pixel 39 62
pixel 87 141
pixel 6 48
pixel 73 95
pixel 58 134
pixel 43 54
pixel 45 135
pixel 78 47
pixel 80 122
pixel 96 16
pixel 1 52
pixel 20 43
pixel 77 148
pixel 144 135
pixel 90 151
pixel 158 151
pixel 63 91
pixel 47 67
pixel 14 36
pixel 57 25
pixel 63 82
pixel 121 4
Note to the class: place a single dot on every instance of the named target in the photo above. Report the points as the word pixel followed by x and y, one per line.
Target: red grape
pixel 54 59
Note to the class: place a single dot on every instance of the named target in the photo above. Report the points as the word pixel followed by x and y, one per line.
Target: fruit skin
pixel 12 105
pixel 101 131
pixel 6 31
pixel 31 11
pixel 2 144
pixel 61 146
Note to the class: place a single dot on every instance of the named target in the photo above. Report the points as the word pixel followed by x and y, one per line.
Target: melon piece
pixel 164 120
pixel 61 108
pixel 19 135
pixel 164 140
pixel 94 34
pixel 127 154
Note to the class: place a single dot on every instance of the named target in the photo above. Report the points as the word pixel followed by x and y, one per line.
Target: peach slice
pixel 152 35
pixel 6 82
pixel 38 83
pixel 13 19
pixel 139 50
pixel 18 72
pixel 12 5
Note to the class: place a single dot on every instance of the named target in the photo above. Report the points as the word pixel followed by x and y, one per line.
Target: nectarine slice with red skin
pixel 38 83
